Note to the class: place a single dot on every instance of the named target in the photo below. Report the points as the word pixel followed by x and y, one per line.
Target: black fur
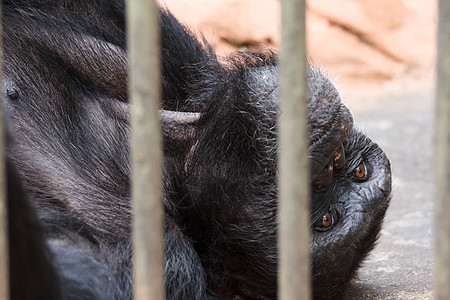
pixel 67 112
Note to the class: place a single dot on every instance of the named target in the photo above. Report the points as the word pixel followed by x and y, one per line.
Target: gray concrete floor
pixel 399 117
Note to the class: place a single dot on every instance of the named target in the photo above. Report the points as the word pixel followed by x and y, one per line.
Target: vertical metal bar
pixel 143 45
pixel 442 159
pixel 294 183
pixel 4 248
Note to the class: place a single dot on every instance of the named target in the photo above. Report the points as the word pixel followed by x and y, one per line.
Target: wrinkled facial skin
pixel 357 207
pixel 67 114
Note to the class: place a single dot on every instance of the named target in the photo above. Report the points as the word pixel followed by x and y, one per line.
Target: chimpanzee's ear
pixel 178 126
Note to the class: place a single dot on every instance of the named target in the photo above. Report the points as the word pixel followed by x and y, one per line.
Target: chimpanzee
pixel 67 120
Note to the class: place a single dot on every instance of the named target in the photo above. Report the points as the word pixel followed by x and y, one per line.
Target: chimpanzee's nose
pixel 336 161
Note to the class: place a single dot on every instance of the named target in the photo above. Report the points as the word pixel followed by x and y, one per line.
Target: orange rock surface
pixel 354 39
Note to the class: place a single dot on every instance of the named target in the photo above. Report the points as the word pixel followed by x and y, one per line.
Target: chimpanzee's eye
pixel 325 222
pixel 360 172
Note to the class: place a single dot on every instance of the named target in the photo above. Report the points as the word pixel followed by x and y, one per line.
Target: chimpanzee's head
pixel 226 186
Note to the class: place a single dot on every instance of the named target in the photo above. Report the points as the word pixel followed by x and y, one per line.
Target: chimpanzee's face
pixel 358 197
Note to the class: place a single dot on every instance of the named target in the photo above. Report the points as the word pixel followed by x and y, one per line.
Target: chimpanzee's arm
pixel 75 268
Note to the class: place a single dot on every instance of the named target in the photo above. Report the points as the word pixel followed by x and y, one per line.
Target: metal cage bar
pixel 4 248
pixel 442 159
pixel 143 45
pixel 294 183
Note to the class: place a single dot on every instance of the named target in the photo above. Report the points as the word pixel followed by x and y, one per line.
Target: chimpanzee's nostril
pixel 339 158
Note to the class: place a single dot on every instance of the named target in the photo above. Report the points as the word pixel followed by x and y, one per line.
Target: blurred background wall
pixel 357 41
